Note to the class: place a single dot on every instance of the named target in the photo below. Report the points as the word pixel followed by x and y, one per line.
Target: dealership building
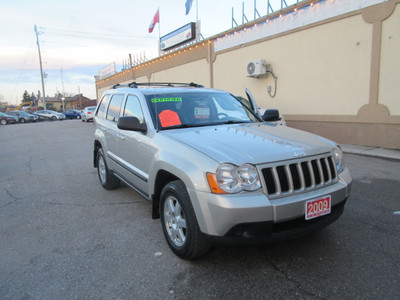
pixel 331 67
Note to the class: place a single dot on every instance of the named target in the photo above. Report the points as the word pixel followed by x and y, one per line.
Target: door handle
pixel 122 137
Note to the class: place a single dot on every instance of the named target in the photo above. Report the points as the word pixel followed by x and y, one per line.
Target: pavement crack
pixel 30 163
pixel 14 198
pixel 87 205
pixel 292 280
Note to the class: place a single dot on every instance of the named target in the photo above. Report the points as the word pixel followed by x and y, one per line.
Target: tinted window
pixel 133 108
pixel 101 112
pixel 114 108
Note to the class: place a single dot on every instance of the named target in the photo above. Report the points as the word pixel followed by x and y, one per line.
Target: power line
pixel 94 35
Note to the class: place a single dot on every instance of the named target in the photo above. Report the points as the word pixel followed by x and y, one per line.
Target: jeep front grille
pixel 284 179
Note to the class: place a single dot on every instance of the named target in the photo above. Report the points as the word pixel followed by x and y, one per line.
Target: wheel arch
pixel 97 146
pixel 163 177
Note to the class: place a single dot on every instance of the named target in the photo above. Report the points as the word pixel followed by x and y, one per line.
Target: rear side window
pixel 114 108
pixel 133 108
pixel 101 112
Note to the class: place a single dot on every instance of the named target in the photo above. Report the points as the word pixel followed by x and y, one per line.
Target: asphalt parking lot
pixel 64 237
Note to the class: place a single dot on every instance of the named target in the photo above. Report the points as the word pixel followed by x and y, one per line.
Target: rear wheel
pixel 179 223
pixel 107 179
pixel 3 122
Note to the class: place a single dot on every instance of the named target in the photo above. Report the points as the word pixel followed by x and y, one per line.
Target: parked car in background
pixel 23 116
pixel 87 114
pixel 7 119
pixel 267 115
pixel 72 114
pixel 49 115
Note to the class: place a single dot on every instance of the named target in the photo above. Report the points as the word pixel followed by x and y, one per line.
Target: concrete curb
pixel 371 151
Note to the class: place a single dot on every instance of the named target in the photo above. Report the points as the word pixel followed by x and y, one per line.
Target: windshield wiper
pixel 184 126
pixel 234 122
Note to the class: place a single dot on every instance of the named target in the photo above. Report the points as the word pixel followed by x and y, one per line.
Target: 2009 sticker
pixel 318 207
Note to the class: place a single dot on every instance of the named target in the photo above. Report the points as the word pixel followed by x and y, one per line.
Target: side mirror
pixel 271 115
pixel 131 123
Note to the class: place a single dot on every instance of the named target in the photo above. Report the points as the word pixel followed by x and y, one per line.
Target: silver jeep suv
pixel 214 169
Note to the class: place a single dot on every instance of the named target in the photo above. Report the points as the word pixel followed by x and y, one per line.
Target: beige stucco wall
pixel 338 77
pixel 196 71
pixel 322 70
pixel 389 83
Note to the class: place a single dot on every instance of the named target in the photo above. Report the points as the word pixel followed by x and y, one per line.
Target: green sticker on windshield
pixel 172 99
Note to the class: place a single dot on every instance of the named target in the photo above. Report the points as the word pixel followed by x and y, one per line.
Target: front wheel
pixel 107 179
pixel 179 223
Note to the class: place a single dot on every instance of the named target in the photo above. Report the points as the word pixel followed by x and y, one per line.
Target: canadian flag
pixel 156 19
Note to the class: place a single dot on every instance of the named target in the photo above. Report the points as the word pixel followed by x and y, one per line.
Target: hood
pixel 254 143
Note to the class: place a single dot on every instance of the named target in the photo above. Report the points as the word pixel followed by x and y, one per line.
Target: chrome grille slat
pixel 293 177
pixel 301 175
pixel 321 174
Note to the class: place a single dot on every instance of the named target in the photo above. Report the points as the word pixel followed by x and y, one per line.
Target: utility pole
pixel 80 99
pixel 41 68
pixel 63 95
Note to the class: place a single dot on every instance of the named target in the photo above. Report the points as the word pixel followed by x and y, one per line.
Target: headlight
pixel 233 179
pixel 227 178
pixel 248 177
pixel 338 158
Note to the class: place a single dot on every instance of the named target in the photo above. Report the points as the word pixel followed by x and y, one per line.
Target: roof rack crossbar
pixel 170 84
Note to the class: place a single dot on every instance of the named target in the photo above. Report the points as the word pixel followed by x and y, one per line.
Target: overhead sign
pixel 178 37
pixel 107 71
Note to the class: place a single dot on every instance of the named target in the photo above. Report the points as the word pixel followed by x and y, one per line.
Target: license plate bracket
pixel 318 207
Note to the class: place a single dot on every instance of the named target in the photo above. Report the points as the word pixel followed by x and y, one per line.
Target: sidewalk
pixel 371 151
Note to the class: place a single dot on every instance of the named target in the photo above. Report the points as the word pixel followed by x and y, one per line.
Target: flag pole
pixel 197 11
pixel 159 32
pixel 159 21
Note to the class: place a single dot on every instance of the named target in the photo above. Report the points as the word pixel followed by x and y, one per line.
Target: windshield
pixel 177 110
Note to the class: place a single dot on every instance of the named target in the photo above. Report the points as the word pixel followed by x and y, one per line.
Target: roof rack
pixel 161 84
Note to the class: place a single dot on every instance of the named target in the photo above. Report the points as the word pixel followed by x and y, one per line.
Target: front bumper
pixel 253 217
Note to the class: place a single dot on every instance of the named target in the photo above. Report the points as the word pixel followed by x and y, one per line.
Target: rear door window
pixel 101 112
pixel 114 108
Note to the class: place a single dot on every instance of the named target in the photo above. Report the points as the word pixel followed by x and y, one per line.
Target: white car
pixel 267 115
pixel 49 115
pixel 88 113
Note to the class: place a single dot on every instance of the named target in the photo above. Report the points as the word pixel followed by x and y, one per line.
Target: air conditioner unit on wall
pixel 257 68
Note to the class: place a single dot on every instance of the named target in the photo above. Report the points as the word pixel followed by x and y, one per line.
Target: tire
pixel 54 118
pixel 179 223
pixel 23 120
pixel 3 122
pixel 107 179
